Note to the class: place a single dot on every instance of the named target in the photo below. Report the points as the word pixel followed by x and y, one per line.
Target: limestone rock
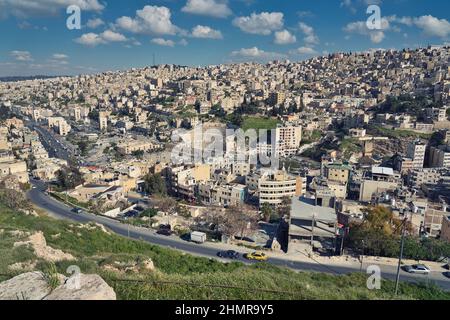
pixel 33 286
pixel 39 244
pixel 27 286
pixel 148 265
pixel 90 287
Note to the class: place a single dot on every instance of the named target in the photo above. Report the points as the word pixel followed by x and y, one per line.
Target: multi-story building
pixel 440 156
pixel 419 177
pixel 103 121
pixel 377 181
pixel 272 188
pixel 288 139
pixel 277 98
pixel 59 125
pixel 416 151
pixel 337 172
pixel 221 195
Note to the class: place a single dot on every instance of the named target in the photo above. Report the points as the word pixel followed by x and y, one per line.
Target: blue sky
pixel 122 34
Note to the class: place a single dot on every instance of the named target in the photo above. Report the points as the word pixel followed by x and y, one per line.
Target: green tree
pixel 154 184
pixel 69 177
pixel 266 211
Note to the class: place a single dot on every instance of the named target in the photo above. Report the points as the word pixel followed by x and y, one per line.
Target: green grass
pixel 259 123
pixel 180 276
pixel 395 134
pixel 349 146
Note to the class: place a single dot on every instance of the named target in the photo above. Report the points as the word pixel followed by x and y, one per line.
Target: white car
pixel 417 268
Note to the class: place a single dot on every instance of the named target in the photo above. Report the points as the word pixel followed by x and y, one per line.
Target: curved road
pixel 58 210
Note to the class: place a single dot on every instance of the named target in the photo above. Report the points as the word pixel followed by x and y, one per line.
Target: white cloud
pixel 93 39
pixel 304 51
pixel 23 56
pixel 60 56
pixel 31 8
pixel 263 24
pixel 183 42
pixel 360 27
pixel 90 39
pixel 431 26
pixel 163 42
pixel 310 35
pixel 257 54
pixel 149 20
pixel 213 8
pixel 206 32
pixel 284 37
pixel 111 36
pixel 95 23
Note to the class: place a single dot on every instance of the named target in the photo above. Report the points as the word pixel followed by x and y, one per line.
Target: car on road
pixel 257 255
pixel 417 268
pixel 164 232
pixel 446 274
pixel 77 210
pixel 229 254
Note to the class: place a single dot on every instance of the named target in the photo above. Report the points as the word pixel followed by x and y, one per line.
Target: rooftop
pixel 383 171
pixel 304 208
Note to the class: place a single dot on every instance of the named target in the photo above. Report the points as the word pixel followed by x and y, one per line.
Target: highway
pixel 58 210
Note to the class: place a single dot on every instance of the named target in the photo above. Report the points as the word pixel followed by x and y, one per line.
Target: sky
pixel 118 34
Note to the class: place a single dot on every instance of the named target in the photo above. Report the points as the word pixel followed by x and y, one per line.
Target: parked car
pixel 446 274
pixel 257 255
pixel 230 254
pixel 164 232
pixel 417 268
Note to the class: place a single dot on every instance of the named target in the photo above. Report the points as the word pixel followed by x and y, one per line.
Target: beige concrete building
pixel 127 148
pixel 14 168
pixel 103 121
pixel 4 144
pixel 274 187
pixel 337 172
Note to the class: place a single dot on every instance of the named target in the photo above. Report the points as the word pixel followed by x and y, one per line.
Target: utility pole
pixel 362 256
pixel 312 229
pixel 400 258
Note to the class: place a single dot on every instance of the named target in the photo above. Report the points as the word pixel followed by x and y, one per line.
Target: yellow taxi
pixel 257 255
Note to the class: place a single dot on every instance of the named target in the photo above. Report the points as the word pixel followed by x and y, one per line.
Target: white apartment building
pixel 288 139
pixel 416 152
pixel 274 187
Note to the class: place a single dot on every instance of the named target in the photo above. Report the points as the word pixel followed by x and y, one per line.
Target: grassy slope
pixel 259 123
pixel 95 249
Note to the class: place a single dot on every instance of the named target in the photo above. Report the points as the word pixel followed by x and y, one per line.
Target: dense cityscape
pixel 330 165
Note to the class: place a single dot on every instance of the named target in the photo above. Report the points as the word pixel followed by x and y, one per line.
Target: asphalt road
pixel 54 147
pixel 58 210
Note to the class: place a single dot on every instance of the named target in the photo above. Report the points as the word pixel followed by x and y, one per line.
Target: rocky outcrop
pixel 34 286
pixel 39 244
pixel 27 286
pixel 90 287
